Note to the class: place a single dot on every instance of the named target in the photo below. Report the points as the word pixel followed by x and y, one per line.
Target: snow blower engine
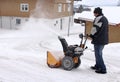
pixel 72 54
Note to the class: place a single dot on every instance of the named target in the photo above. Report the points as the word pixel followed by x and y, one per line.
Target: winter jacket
pixel 99 31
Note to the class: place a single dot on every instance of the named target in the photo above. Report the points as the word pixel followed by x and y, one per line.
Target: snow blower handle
pixel 82 44
pixel 81 36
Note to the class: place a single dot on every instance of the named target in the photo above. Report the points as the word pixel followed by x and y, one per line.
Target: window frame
pixel 60 7
pixel 69 7
pixel 24 7
pixel 18 21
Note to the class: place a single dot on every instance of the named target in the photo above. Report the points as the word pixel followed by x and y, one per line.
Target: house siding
pixel 12 7
pixel 49 9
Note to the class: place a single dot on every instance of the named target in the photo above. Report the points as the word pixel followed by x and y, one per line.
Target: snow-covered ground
pixel 23 55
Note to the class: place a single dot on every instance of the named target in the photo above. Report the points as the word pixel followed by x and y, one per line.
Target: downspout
pixel 0 18
pixel 69 22
pixel 61 23
pixel 10 23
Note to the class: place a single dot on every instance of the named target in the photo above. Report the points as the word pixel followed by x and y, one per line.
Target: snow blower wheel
pixel 67 63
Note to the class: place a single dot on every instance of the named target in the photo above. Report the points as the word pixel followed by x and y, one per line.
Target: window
pixel 24 7
pixel 59 7
pixel 69 7
pixel 18 21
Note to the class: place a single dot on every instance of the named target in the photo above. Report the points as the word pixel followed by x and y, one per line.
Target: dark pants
pixel 99 59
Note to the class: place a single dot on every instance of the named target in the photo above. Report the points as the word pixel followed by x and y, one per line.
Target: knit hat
pixel 98 10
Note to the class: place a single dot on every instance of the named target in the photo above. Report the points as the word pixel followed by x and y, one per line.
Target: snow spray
pixel 40 14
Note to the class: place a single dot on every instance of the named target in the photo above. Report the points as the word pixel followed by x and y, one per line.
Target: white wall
pixel 7 22
pixel 62 23
pixel 0 22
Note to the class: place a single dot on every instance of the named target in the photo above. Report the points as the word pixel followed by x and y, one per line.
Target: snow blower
pixel 72 54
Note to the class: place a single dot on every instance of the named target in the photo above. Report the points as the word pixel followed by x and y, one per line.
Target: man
pixel 99 35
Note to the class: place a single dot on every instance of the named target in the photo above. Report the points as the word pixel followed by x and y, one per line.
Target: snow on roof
pixel 111 12
pixel 98 2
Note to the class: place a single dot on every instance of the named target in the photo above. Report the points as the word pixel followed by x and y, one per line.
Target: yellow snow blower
pixel 71 55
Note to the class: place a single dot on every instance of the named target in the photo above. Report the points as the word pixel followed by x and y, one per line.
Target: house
pixel 53 8
pixel 16 12
pixel 57 10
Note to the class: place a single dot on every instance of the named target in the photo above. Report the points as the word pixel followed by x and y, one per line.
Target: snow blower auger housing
pixel 72 54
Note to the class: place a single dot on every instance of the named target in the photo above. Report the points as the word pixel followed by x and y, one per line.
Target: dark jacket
pixel 99 32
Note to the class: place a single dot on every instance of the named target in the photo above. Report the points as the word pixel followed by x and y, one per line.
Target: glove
pixel 91 36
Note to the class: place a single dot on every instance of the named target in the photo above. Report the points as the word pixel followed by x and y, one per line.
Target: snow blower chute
pixel 72 54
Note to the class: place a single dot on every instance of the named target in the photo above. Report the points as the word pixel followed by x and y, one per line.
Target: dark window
pixel 18 21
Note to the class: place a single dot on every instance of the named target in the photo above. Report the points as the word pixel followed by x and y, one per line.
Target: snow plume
pixel 32 35
pixel 42 9
pixel 39 28
pixel 39 21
